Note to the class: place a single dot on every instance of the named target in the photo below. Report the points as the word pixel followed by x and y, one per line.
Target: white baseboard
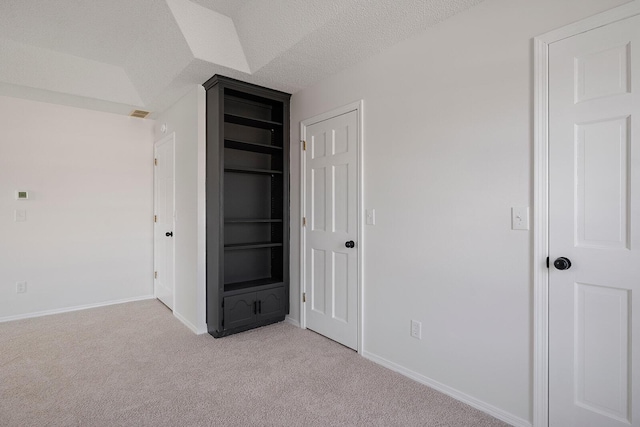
pixel 293 321
pixel 188 324
pixel 75 308
pixel 458 395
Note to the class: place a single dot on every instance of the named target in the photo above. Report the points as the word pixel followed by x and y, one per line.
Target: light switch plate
pixel 520 218
pixel 370 215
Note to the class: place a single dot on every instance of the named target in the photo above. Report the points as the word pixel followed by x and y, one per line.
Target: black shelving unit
pixel 247 206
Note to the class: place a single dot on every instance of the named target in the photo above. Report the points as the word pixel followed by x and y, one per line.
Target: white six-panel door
pixel 331 268
pixel 594 221
pixel 164 209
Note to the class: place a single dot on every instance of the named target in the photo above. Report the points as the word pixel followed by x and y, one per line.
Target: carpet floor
pixel 136 365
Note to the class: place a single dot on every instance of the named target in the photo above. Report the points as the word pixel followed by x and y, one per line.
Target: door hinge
pixel 304 297
pixel 304 145
pixel 155 274
pixel 155 218
pixel 304 221
pixel 155 162
pixel 547 262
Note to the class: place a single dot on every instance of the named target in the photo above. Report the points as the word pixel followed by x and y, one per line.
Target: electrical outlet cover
pixel 21 287
pixel 416 329
pixel 20 215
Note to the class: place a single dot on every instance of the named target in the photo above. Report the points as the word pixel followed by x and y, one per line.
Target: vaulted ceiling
pixel 118 55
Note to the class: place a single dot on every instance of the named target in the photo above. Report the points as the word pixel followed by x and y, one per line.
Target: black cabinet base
pixel 219 334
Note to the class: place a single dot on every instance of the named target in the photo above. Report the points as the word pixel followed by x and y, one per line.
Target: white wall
pixel 88 235
pixel 447 153
pixel 187 119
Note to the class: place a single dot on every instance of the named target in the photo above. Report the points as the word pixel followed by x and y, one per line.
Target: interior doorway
pixel 332 249
pixel 587 259
pixel 164 220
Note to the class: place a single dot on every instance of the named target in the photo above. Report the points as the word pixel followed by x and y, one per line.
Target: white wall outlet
pixel 520 218
pixel 21 287
pixel 370 215
pixel 416 329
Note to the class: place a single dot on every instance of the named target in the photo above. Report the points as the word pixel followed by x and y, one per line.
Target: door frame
pixel 358 108
pixel 541 197
pixel 171 137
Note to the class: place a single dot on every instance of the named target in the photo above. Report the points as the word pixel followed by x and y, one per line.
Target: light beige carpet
pixel 136 365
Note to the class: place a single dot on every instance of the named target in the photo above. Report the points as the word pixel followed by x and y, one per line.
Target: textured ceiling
pixel 229 8
pixel 118 55
pixel 98 30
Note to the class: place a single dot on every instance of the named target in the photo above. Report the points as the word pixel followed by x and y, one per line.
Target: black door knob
pixel 169 234
pixel 350 244
pixel 562 263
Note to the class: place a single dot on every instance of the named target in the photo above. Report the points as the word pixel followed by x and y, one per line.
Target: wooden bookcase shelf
pixel 250 121
pixel 252 146
pixel 238 169
pixel 241 246
pixel 247 206
pixel 249 220
pixel 253 285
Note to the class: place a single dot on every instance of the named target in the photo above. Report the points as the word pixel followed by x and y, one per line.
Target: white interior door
pixel 164 201
pixel 594 221
pixel 331 231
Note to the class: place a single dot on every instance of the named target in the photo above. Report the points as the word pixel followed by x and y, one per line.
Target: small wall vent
pixel 140 114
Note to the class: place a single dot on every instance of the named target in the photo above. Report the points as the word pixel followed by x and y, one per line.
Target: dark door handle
pixel 350 244
pixel 562 263
pixel 169 234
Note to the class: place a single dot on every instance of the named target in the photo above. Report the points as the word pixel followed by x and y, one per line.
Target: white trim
pixel 292 321
pixel 540 239
pixel 608 17
pixel 172 138
pixel 357 106
pixel 74 308
pixel 188 324
pixel 202 212
pixel 361 236
pixel 456 394
pixel 541 193
pixel 301 266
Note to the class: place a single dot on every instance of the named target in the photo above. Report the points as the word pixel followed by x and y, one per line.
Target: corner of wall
pixel 202 211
